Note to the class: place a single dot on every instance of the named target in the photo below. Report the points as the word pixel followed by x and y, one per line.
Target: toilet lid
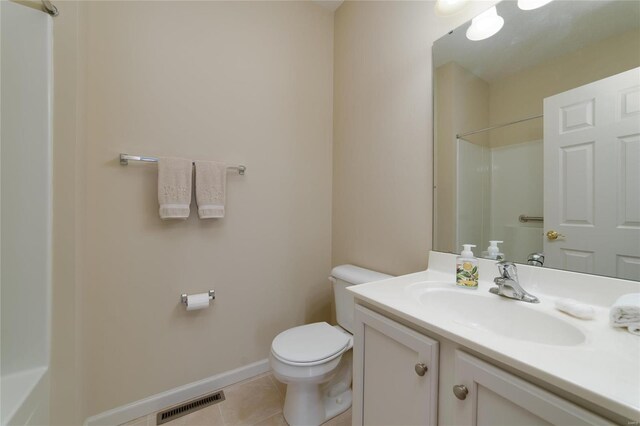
pixel 309 343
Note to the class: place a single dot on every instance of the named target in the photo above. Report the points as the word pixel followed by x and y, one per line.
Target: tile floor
pixel 254 402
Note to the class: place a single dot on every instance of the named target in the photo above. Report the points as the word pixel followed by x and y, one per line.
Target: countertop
pixel 604 369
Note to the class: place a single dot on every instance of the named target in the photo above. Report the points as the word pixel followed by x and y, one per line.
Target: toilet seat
pixel 310 344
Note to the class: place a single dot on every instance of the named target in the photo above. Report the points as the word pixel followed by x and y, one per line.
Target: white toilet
pixel 314 360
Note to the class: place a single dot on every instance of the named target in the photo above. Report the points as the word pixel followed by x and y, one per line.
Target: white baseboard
pixel 160 401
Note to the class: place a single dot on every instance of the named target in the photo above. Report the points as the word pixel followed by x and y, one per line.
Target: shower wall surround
pixel 483 174
pixel 25 293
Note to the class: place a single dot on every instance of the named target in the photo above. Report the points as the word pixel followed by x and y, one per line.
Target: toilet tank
pixel 342 277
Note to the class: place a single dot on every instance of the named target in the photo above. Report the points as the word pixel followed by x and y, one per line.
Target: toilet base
pixel 315 393
pixel 334 406
pixel 307 405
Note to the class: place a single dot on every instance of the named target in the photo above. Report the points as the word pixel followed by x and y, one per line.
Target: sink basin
pixel 505 317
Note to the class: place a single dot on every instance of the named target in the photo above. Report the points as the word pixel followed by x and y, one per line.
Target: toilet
pixel 315 360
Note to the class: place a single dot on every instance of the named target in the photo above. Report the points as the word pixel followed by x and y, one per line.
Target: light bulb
pixel 532 4
pixel 449 7
pixel 485 25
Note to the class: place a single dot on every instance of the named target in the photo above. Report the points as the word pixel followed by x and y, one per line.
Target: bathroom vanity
pixel 427 352
pixel 523 122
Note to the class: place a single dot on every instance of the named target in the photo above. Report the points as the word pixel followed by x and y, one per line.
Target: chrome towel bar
pixel 125 158
pixel 524 218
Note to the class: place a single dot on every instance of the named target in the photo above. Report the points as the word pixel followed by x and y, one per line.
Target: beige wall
pixel 66 364
pixel 240 82
pixel 461 104
pixel 382 159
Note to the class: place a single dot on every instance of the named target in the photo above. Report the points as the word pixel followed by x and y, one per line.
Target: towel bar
pixel 524 218
pixel 125 158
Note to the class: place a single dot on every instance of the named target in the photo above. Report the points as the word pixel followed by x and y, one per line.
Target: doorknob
pixel 421 369
pixel 460 391
pixel 554 235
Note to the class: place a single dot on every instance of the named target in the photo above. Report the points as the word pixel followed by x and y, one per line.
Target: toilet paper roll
pixel 197 301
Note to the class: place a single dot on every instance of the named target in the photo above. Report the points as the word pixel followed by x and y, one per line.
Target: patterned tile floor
pixel 254 402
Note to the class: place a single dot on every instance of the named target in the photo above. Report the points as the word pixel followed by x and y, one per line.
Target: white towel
pixel 575 308
pixel 174 187
pixel 625 312
pixel 211 182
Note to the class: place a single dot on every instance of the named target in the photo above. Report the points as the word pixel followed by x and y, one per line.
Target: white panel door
pixel 395 378
pixel 497 398
pixel 592 177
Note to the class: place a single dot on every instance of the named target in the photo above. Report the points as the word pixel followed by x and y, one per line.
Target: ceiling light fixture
pixel 485 25
pixel 532 4
pixel 449 7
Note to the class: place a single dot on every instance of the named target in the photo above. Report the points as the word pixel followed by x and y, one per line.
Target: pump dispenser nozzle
pixel 467 252
pixel 493 251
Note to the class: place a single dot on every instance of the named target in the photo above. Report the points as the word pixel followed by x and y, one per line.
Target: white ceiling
pixel 531 37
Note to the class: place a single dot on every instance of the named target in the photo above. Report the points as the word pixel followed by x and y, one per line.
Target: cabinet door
pixel 390 384
pixel 497 398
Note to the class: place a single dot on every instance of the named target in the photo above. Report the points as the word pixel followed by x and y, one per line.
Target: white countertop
pixel 604 369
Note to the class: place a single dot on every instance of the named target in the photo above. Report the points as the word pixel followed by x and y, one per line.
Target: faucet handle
pixel 536 259
pixel 508 270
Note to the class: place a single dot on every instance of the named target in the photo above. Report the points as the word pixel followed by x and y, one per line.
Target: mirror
pixel 537 137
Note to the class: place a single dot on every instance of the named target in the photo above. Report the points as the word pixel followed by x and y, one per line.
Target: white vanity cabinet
pixel 389 388
pixel 487 395
pixel 395 379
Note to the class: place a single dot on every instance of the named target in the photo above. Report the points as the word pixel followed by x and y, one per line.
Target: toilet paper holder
pixel 183 296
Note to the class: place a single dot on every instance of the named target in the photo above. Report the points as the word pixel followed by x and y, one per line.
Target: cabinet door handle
pixel 421 369
pixel 460 391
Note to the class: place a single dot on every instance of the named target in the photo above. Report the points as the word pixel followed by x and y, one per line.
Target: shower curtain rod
pixel 498 126
pixel 49 8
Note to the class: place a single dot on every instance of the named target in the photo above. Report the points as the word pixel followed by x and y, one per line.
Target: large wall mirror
pixel 537 136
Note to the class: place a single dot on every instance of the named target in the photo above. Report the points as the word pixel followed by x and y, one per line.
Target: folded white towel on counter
pixel 575 308
pixel 211 182
pixel 634 328
pixel 625 311
pixel 174 187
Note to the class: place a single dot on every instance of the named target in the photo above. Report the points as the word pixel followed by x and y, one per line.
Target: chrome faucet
pixel 508 285
pixel 536 259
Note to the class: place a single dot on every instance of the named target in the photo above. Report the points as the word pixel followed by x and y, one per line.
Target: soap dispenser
pixel 467 268
pixel 493 252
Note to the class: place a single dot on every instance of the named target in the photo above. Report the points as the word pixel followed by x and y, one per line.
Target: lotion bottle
pixel 467 268
pixel 493 252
